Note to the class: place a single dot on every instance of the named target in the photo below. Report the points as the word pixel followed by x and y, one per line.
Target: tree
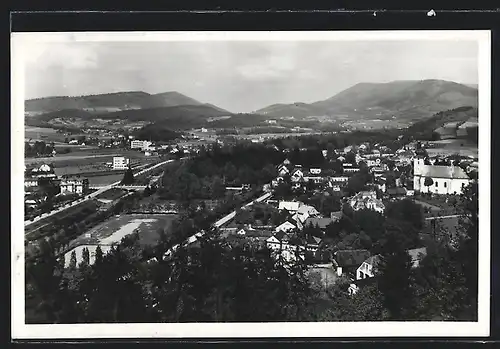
pixel 368 305
pixel 406 210
pixel 428 181
pixel 390 180
pixel 98 254
pixel 72 261
pixel 128 177
pixel 350 157
pixel 217 189
pixel 147 191
pixel 395 282
pixel 468 230
pixel 85 258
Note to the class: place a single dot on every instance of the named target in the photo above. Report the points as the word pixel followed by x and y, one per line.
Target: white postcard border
pixel 21 41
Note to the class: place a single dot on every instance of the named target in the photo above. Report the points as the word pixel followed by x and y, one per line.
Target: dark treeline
pixel 214 281
pixel 39 148
pixel 207 175
pixel 387 137
pixel 154 133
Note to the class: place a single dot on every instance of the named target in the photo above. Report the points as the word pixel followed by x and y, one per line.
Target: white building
pixel 290 206
pixel 74 185
pixel 120 163
pixel 137 144
pixel 445 179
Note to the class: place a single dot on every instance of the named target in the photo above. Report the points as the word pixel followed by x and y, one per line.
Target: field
pixel 43 133
pixel 111 194
pixel 453 146
pixel 113 230
pixel 90 162
pixel 104 180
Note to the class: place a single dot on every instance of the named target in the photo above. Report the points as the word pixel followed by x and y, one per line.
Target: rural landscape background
pixel 159 207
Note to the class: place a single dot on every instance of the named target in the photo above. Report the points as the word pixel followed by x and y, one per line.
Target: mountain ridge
pixel 402 99
pixel 111 102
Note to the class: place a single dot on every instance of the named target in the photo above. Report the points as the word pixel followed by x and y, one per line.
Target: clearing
pixel 112 231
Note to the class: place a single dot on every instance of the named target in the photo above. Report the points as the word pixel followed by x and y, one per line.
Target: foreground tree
pixel 128 177
pixel 395 282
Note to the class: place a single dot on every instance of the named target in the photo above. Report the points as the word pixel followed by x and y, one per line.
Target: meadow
pixel 113 230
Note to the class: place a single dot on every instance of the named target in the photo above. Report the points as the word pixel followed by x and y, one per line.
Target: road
pixel 219 223
pixel 442 217
pixel 93 195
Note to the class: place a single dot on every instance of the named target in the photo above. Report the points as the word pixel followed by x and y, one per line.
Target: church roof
pixel 451 172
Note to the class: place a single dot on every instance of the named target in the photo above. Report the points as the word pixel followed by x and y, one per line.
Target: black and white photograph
pixel 250 184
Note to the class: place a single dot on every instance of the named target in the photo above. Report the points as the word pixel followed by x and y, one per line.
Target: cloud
pixel 68 55
pixel 240 76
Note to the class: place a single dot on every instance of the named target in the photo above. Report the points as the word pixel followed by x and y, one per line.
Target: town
pixel 325 209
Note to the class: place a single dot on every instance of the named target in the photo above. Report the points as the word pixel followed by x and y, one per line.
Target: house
pixel 45 170
pixel 120 163
pixel 312 243
pixel 366 200
pixel 286 227
pixel 278 240
pixel 347 149
pixel 297 175
pixel 137 144
pixel 349 168
pixel 381 184
pixel 358 158
pixel 444 179
pixel 30 183
pixel 347 261
pixel 314 179
pixel 336 216
pixel 341 158
pixel 283 170
pixel 284 242
pixel 379 168
pixel 321 222
pixel 304 212
pixel 74 185
pixel 290 206
pixel 397 192
pixel 417 255
pixel 369 267
pixel 276 182
pixel 372 162
pixel 339 180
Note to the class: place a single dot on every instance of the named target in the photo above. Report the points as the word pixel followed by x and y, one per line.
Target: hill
pixel 169 99
pixel 295 110
pixel 110 102
pixel 177 117
pixel 402 100
pixel 446 124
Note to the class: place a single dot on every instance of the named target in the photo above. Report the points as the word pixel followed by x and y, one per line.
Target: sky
pixel 241 76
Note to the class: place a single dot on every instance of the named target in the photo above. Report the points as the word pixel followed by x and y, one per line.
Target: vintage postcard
pixel 250 184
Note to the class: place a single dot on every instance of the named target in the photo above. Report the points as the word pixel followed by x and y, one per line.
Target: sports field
pixel 113 230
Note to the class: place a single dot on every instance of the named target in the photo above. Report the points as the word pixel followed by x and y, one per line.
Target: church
pixel 444 179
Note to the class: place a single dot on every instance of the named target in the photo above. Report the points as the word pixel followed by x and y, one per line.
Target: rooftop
pixel 351 258
pixel 434 171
